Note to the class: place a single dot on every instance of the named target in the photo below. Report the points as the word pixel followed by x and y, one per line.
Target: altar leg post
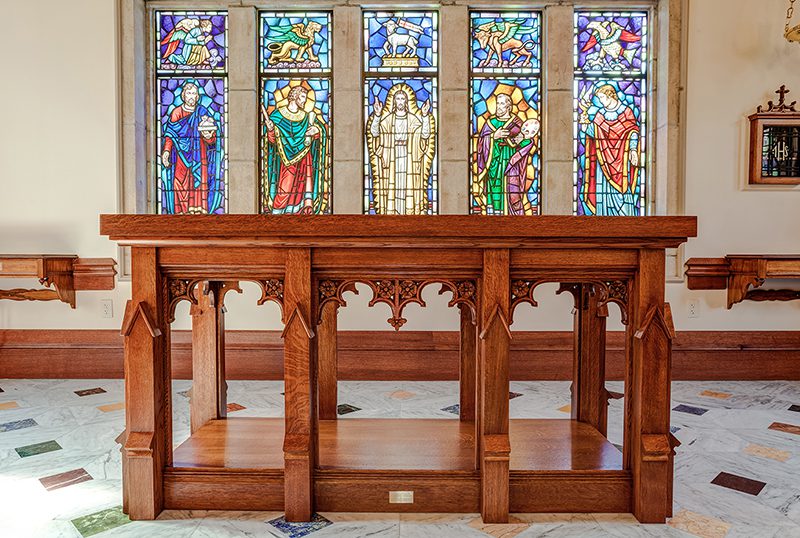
pixel 495 336
pixel 467 370
pixel 148 420
pixel 589 397
pixel 650 441
pixel 298 370
pixel 327 358
pixel 209 390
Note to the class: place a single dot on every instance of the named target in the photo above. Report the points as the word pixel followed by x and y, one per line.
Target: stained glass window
pixel 400 41
pixel 191 112
pixel 400 107
pixel 295 42
pixel 505 160
pixel 296 134
pixel 610 128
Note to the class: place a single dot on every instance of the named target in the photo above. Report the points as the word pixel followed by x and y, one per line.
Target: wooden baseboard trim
pixel 408 356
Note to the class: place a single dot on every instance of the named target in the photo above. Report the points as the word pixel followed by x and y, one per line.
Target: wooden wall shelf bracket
pixel 62 276
pixel 742 274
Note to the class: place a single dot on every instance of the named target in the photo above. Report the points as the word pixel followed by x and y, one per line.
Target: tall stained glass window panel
pixel 400 107
pixel 505 151
pixel 610 128
pixel 191 112
pixel 295 112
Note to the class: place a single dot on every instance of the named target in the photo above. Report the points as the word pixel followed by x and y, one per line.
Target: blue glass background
pixel 630 94
pixel 482 89
pixel 375 38
pixel 166 21
pixel 214 97
pixel 425 89
pixel 635 23
pixel 321 87
pixel 322 42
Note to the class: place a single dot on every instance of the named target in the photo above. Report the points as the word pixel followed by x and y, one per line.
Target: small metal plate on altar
pixel 401 497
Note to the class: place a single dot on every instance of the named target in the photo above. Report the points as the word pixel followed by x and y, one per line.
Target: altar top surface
pixel 386 231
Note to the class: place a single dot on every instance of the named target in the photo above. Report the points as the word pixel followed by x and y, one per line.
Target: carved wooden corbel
pixel 271 290
pixel 522 291
pixel 180 289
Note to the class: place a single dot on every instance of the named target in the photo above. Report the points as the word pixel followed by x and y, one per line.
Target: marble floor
pixel 737 472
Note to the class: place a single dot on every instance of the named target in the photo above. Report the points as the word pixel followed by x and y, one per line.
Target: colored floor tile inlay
pixel 37 448
pixel 755 495
pixel 111 407
pixel 298 530
pixel 62 480
pixel 101 521
pixel 17 425
pixel 783 427
pixel 699 525
pixel 344 409
pixel 692 410
pixel 767 452
pixel 715 394
pixel 89 392
pixel 739 483
pixel 455 409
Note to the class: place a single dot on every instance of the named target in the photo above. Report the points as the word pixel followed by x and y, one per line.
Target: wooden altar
pixel 310 461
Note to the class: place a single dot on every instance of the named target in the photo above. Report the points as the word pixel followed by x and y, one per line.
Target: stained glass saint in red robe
pixel 610 163
pixel 191 159
pixel 296 156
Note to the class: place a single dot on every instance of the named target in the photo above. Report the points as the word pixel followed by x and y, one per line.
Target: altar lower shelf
pixel 248 443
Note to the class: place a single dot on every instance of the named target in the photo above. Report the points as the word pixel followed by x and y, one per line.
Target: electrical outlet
pixel 108 308
pixel 693 310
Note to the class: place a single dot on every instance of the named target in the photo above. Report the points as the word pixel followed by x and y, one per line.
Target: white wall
pixel 58 163
pixel 737 58
pixel 58 145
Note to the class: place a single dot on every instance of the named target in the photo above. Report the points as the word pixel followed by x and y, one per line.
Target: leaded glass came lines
pixel 296 130
pixel 505 154
pixel 400 108
pixel 191 112
pixel 610 127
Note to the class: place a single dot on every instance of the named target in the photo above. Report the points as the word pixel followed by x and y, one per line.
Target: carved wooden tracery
pixel 183 289
pixel 397 293
pixel 609 291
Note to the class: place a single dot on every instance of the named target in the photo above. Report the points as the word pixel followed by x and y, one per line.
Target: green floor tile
pixel 38 448
pixel 100 521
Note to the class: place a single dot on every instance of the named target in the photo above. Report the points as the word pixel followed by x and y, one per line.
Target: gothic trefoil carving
pixel 271 290
pixel 397 293
pixel 180 289
pixel 607 291
pixel 183 289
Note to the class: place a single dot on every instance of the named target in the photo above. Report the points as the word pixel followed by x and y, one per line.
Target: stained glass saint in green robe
pixel 296 156
pixel 496 145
